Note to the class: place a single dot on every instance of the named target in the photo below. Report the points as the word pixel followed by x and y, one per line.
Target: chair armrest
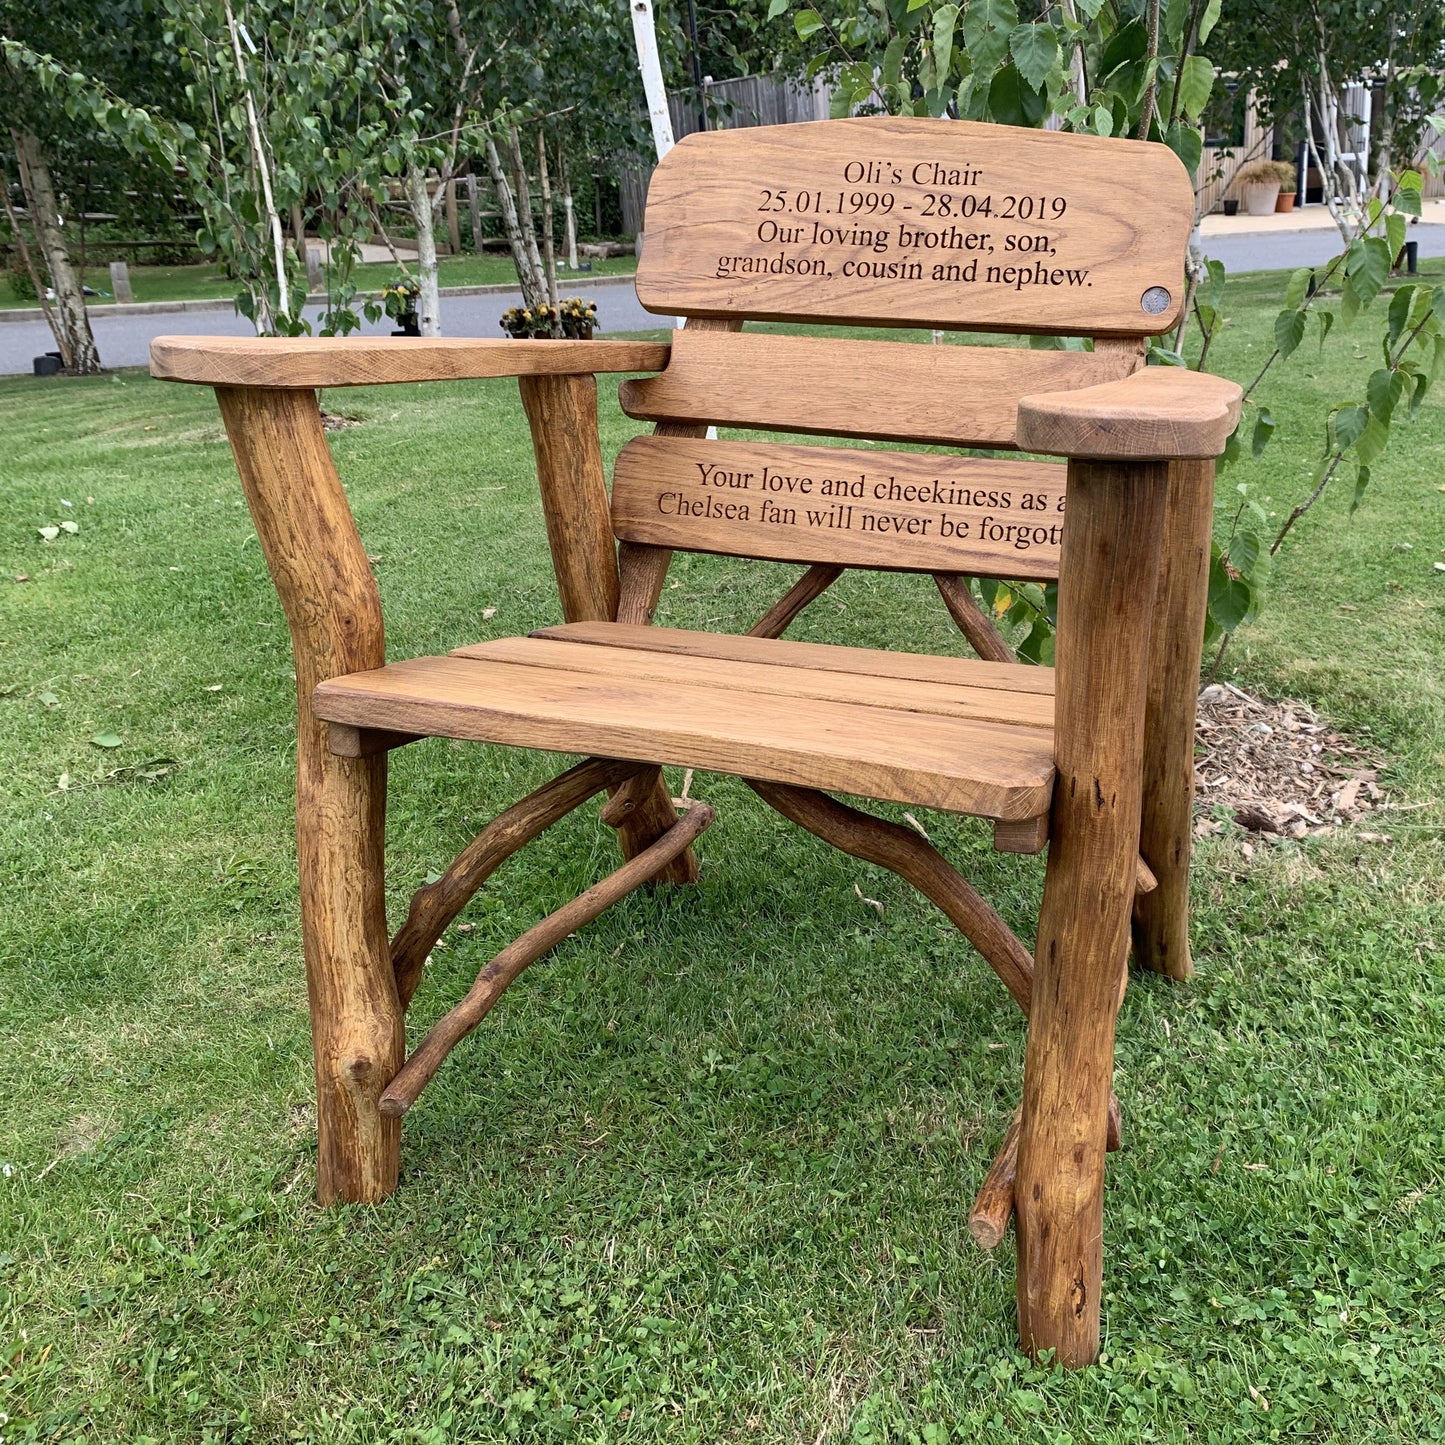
pixel 1161 413
pixel 313 361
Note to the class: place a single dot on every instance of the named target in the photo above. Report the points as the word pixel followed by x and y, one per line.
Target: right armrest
pixel 313 361
pixel 1161 413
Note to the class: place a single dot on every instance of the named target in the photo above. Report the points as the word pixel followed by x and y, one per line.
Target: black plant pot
pixel 1231 206
pixel 409 324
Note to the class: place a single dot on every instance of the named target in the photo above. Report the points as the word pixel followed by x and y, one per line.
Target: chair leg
pixel 1108 572
pixel 329 595
pixel 1161 918
pixel 356 1016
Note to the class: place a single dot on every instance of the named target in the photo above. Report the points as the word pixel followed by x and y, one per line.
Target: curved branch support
pixel 402 1092
pixel 975 624
pixel 877 841
pixel 434 906
pixel 803 593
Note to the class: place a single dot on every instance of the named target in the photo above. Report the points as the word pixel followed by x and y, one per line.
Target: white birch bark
pixel 429 302
pixel 265 320
pixel 69 319
pixel 533 292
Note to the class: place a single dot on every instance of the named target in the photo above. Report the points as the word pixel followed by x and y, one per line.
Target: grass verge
pixel 703 1176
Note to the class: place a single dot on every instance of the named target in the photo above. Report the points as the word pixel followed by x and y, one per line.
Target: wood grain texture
pixel 899 511
pixel 955 764
pixel 993 1206
pixel 562 414
pixel 1031 835
pixel 917 861
pixel 348 742
pixel 825 656
pixel 691 670
pixel 641 572
pixel 624 802
pixel 965 396
pixel 1161 412
pixel 403 1090
pixel 971 620
pixel 955 224
pixel 800 596
pixel 435 905
pixel 309 362
pixel 1106 597
pixel 1161 916
pixel 329 596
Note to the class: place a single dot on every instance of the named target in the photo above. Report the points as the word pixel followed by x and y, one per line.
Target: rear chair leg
pixel 1161 918
pixel 1108 573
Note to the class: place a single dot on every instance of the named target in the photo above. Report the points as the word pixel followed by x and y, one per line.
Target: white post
pixel 120 282
pixel 649 63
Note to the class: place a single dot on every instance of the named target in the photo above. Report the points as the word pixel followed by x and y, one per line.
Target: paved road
pixel 124 340
pixel 1300 248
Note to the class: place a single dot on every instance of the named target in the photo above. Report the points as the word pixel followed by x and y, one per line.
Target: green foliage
pixel 1104 76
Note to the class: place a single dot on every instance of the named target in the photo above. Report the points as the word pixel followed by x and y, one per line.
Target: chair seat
pixel 949 733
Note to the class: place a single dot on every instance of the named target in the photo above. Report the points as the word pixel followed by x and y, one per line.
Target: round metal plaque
pixel 1155 300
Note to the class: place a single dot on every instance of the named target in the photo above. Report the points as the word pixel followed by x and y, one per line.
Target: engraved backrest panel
pixel 892 221
pixel 883 390
pixel 900 511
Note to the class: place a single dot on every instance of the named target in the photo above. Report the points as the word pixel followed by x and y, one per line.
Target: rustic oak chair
pixel 880 222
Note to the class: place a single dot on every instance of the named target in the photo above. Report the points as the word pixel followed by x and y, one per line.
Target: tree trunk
pixel 524 213
pixel 265 317
pixel 429 305
pixel 528 279
pixel 568 209
pixel 548 248
pixel 69 319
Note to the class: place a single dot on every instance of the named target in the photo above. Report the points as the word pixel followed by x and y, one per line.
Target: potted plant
pixel 517 322
pixel 1259 183
pixel 399 298
pixel 579 318
pixel 1288 181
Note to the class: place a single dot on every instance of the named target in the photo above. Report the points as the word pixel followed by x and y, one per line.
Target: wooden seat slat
pixel 963 396
pixel 955 764
pixel 982 704
pixel 902 511
pixel 815 656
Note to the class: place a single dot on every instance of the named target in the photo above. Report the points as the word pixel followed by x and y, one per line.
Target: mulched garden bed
pixel 1279 769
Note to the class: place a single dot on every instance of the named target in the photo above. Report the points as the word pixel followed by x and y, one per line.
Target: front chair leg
pixel 333 611
pixel 357 1031
pixel 1108 570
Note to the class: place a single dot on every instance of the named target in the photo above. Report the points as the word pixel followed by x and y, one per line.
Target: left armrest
pixel 1159 413
pixel 312 361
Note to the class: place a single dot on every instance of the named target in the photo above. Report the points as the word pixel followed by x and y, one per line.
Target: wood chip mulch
pixel 1279 769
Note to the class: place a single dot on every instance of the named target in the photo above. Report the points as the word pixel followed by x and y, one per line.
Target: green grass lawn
pixel 205 282
pixel 704 1174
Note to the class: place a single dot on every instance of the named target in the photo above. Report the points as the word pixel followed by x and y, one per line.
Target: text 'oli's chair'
pixel 879 222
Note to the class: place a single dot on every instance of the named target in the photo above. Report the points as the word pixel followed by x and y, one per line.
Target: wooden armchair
pixel 880 222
